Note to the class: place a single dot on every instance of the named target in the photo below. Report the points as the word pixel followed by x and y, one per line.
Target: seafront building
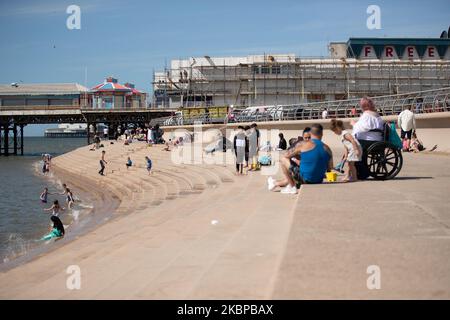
pixel 106 95
pixel 358 67
pixel 51 95
pixel 112 95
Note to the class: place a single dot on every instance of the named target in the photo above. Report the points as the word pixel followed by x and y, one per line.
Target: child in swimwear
pixel 57 231
pixel 55 208
pixel 70 200
pixel 149 165
pixel 44 195
pixel 129 163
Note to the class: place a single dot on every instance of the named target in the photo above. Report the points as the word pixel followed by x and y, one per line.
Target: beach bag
pixel 393 137
pixel 265 160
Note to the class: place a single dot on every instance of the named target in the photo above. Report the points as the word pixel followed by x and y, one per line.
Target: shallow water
pixel 22 219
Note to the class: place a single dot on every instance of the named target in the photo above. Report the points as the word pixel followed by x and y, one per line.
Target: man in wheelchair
pixel 381 159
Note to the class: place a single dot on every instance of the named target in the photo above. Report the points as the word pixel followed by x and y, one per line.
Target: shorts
pixel 407 134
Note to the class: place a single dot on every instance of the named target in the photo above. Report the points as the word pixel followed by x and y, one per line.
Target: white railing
pixel 428 101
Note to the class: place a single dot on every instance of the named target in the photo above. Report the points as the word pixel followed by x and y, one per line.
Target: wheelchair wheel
pixel 383 160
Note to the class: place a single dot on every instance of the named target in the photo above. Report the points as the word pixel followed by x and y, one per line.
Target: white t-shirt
pixel 368 121
pixel 324 114
pixel 406 120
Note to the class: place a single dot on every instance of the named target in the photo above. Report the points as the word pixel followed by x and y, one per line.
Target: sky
pixel 131 39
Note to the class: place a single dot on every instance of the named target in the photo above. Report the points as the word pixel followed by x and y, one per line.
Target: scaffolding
pixel 286 79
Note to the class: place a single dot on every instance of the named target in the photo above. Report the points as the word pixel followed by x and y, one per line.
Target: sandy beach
pixel 195 231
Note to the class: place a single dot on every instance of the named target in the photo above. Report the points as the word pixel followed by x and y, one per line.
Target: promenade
pixel 199 232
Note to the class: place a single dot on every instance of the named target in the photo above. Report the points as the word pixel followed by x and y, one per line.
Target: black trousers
pixel 361 166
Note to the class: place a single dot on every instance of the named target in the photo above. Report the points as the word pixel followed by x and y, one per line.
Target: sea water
pixel 22 218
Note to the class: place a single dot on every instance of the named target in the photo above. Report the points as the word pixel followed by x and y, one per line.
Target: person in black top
pixel 282 144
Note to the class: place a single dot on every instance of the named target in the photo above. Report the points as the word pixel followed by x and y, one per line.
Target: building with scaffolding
pixel 358 67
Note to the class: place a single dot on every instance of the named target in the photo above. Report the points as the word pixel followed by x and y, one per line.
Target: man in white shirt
pixel 368 129
pixel 325 114
pixel 407 123
pixel 370 120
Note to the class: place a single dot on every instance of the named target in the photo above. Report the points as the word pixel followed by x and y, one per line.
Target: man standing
pixel 407 123
pixel 105 132
pixel 325 114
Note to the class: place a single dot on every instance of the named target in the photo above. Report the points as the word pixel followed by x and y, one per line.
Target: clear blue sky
pixel 130 39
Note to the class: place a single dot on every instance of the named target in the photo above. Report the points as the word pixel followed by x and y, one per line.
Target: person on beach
pixel 69 199
pixel 247 147
pixel 57 231
pixel 167 148
pixel 282 145
pixel 353 150
pixel 129 163
pixel 367 130
pixel 253 146
pixel 103 162
pixel 46 166
pixel 55 208
pixel 316 159
pixel 407 124
pixel 240 142
pixel 105 133
pixel 294 167
pixel 44 195
pixel 149 165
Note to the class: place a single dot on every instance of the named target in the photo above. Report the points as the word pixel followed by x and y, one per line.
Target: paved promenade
pixel 402 226
pixel 192 232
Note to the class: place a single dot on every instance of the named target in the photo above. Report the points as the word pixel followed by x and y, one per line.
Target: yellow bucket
pixel 331 176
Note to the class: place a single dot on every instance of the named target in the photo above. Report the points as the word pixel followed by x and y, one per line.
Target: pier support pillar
pixel 21 139
pixel 1 139
pixel 88 133
pixel 6 140
pixel 15 139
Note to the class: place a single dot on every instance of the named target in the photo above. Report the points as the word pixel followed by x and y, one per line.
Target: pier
pixel 14 118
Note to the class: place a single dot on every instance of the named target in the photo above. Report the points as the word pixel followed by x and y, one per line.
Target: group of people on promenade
pixel 308 158
pixel 245 146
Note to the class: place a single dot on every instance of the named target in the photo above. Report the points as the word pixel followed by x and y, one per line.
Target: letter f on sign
pixel 374 20
pixel 374 280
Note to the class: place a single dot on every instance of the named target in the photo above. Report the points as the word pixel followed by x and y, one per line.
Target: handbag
pixel 393 137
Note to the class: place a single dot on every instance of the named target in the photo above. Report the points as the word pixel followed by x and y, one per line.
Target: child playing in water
pixel 57 231
pixel 129 163
pixel 55 208
pixel 44 195
pixel 353 150
pixel 149 164
pixel 70 200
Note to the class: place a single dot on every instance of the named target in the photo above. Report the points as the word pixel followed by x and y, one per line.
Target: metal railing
pixel 428 101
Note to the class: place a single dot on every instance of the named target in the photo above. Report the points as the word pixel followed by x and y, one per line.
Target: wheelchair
pixel 381 160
